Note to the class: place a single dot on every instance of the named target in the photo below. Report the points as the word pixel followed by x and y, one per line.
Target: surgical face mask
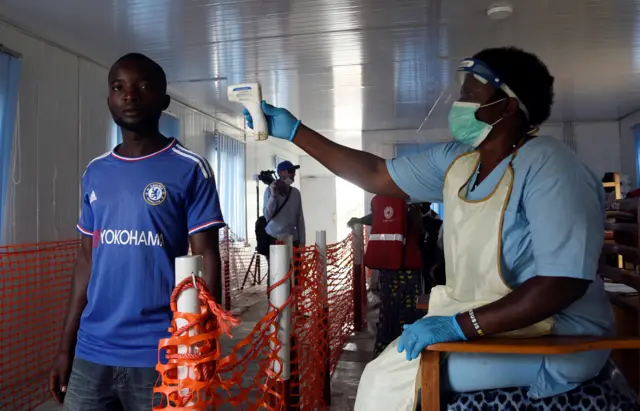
pixel 288 181
pixel 464 125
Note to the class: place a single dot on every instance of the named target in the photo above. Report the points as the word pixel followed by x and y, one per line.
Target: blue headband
pixel 484 74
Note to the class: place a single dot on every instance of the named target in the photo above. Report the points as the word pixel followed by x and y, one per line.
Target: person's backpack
pixel 263 239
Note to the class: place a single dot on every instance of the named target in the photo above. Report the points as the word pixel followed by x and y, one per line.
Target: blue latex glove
pixel 280 122
pixel 427 331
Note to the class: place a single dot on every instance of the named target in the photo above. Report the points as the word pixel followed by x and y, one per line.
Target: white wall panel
pixel 57 139
pixel 21 221
pixel 63 123
pixel 97 129
pixel 598 146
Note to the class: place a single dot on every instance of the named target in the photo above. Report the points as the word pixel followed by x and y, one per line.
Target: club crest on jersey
pixel 154 194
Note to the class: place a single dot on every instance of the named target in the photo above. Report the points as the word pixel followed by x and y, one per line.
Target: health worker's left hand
pixel 427 331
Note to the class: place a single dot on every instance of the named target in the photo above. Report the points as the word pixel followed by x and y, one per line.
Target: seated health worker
pixel 522 235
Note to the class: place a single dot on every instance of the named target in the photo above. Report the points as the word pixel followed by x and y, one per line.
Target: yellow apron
pixel 473 256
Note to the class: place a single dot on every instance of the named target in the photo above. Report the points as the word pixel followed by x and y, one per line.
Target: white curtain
pixel 229 162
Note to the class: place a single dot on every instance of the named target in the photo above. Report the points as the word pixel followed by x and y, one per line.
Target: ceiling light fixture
pixel 499 11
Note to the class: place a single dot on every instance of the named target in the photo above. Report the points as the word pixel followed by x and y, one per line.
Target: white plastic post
pixel 188 302
pixel 279 268
pixel 321 243
pixel 288 241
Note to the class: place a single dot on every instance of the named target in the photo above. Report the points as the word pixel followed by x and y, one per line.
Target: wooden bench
pixel 625 345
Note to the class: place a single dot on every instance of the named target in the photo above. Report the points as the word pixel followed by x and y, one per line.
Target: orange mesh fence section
pixel 310 351
pixel 244 273
pixel 34 291
pixel 249 376
pixel 341 296
pixel 193 386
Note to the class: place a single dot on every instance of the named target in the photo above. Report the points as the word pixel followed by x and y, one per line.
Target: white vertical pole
pixel 188 302
pixel 288 241
pixel 321 243
pixel 279 268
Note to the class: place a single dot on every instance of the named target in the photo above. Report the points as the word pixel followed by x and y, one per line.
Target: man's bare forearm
pixel 363 169
pixel 213 274
pixel 78 298
pixel 206 244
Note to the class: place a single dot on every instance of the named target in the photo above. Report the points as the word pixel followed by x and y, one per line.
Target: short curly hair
pixel 526 75
pixel 154 68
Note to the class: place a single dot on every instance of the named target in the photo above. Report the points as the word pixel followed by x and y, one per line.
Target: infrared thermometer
pixel 250 96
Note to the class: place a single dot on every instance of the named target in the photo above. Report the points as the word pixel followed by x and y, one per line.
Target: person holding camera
pixel 283 207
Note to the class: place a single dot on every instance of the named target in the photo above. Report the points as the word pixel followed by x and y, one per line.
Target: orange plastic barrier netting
pixel 341 294
pixel 249 377
pixel 309 332
pixel 244 273
pixel 199 337
pixel 34 290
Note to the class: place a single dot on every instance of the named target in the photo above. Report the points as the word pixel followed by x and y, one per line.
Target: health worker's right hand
pixel 280 122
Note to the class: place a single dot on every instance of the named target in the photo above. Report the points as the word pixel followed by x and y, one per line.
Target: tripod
pixel 256 272
pixel 256 256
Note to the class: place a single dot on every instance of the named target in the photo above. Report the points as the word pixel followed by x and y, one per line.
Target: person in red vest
pixel 400 283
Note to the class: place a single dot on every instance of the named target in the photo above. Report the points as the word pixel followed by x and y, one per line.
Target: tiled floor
pixel 358 351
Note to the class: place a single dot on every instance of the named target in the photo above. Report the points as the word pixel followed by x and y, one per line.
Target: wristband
pixel 474 321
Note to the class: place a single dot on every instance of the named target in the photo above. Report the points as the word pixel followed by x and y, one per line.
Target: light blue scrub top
pixel 553 226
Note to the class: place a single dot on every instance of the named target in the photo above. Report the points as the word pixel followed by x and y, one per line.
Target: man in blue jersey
pixel 143 204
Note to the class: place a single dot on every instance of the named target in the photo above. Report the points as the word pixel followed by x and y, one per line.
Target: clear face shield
pixel 453 117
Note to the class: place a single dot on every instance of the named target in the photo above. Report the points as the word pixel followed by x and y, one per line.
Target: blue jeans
pixel 95 387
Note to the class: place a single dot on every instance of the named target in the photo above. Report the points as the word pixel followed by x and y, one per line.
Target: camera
pixel 267 176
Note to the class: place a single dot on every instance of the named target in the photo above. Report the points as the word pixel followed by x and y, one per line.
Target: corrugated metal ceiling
pixel 351 64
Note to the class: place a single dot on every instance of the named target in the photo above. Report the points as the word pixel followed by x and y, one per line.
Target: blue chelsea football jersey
pixel 140 213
